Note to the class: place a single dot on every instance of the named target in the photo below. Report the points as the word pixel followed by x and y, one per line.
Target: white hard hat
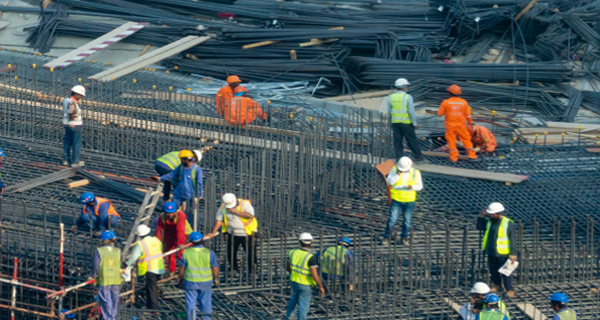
pixel 142 230
pixel 79 89
pixel 404 164
pixel 495 207
pixel 198 154
pixel 229 200
pixel 305 237
pixel 401 83
pixel 480 288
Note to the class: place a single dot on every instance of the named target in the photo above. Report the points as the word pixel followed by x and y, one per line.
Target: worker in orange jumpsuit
pixel 226 93
pixel 482 138
pixel 457 112
pixel 241 109
pixel 172 229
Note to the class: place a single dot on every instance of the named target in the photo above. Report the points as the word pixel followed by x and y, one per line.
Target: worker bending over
pixel 199 270
pixel 482 138
pixel 98 212
pixel 457 112
pixel 167 163
pixel 491 311
pixel 106 269
pixel 189 176
pixel 226 93
pixel 172 228
pixel 338 263
pixel 470 310
pixel 302 266
pixel 241 109
pixel 558 302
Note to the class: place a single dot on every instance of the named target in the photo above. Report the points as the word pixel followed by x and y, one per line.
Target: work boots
pixel 496 288
pixel 510 293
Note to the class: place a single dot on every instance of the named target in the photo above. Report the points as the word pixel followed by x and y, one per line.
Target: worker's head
pixel 401 84
pixel 479 291
pixel 404 164
pixel 345 241
pixel 229 200
pixel 1 154
pixel 78 92
pixel 197 156
pixel 196 238
pixel 170 209
pixel 240 91
pixel 87 198
pixel 558 301
pixel 471 128
pixel 108 237
pixel 454 90
pixel 142 230
pixel 491 301
pixel 233 81
pixel 305 239
pixel 186 157
pixel 495 211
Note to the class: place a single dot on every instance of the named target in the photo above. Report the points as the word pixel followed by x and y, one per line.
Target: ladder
pixel 143 217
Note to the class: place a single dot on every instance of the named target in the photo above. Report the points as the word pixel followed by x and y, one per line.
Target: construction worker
pixel 146 253
pixel 337 263
pixel 499 243
pixel 106 269
pixel 97 211
pixel 482 138
pixel 73 122
pixel 1 183
pixel 558 302
pixel 475 305
pixel 199 270
pixel 405 182
pixel 241 109
pixel 302 266
pixel 457 112
pixel 226 93
pixel 236 219
pixel 401 108
pixel 167 163
pixel 491 311
pixel 172 228
pixel 189 177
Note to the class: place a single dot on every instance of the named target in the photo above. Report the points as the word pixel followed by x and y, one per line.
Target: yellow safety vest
pixel 250 225
pixel 503 242
pixel 334 260
pixel 568 314
pixel 198 265
pixel 149 260
pixel 491 315
pixel 299 266
pixel 188 227
pixel 399 103
pixel 406 195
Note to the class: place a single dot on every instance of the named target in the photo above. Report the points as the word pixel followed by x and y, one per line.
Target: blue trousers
pixel 163 169
pixel 72 140
pixel 205 299
pixel 406 208
pixel 83 222
pixel 108 299
pixel 301 296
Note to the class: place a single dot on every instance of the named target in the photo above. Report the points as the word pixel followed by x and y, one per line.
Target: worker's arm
pixel 214 266
pixel 468 113
pixel 442 109
pixel 288 267
pixel 393 177
pixel 411 110
pixel 419 185
pixel 169 176
pixel 95 264
pixel 180 228
pixel 490 140
pixel 216 229
pixel 135 255
pixel 512 237
pixel 482 221
pixel 246 213
pixel 350 265
pixel 315 275
pixel 199 182
pixel 159 228
pixel 103 218
pixel 259 111
pixel 183 265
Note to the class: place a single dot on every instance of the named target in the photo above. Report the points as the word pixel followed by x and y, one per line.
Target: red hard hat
pixel 454 89
pixel 240 89
pixel 233 79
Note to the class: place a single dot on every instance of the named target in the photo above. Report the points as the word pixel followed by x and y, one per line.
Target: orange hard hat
pixel 240 89
pixel 454 89
pixel 233 79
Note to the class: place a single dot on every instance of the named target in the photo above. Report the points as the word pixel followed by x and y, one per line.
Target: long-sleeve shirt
pixel 493 236
pixel 214 263
pixel 174 233
pixel 348 261
pixel 466 312
pixel 102 210
pixel 393 178
pixel 456 111
pixel 185 188
pixel 222 98
pixel 96 262
pixel 137 253
pixel 386 107
pixel 71 107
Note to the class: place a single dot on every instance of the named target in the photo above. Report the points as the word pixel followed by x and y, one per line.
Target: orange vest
pixel 111 209
pixel 243 110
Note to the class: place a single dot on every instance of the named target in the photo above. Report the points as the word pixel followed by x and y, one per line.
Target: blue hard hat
pixel 195 236
pixel 69 316
pixel 559 297
pixel 86 197
pixel 346 240
pixel 107 235
pixel 491 298
pixel 1 153
pixel 170 207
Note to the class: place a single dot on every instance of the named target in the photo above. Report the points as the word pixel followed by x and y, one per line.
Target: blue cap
pixel 239 94
pixel 170 207
pixel 68 316
pixel 491 298
pixel 559 297
pixel 195 236
pixel 346 240
pixel 1 153
pixel 108 235
pixel 86 197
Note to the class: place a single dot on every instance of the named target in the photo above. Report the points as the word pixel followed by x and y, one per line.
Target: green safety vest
pixel 568 314
pixel 194 169
pixel 406 195
pixel 491 315
pixel 503 242
pixel 198 265
pixel 334 261
pixel 171 159
pixel 110 266
pixel 299 266
pixel 399 104
pixel 502 307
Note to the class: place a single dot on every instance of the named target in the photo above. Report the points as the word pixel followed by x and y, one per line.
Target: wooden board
pixel 79 183
pixel 455 306
pixel 593 150
pixel 374 94
pixel 573 126
pixel 532 312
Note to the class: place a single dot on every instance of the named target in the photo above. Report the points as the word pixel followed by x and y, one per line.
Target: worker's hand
pixel 232 210
pixel 180 281
pixel 351 288
pixel 155 178
pixel 216 283
pixel 408 187
pixel 416 127
pixel 512 259
pixel 97 234
pixel 483 213
pixel 476 149
pixel 322 290
pixel 459 143
pixel 1 190
pixel 181 246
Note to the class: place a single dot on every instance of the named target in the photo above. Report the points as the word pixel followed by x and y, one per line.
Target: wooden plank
pixel 532 312
pixel 312 43
pixel 293 55
pixel 443 154
pixel 593 150
pixel 146 48
pixel 455 306
pixel 76 184
pixel 373 94
pixel 527 8
pixel 570 126
pixel 259 44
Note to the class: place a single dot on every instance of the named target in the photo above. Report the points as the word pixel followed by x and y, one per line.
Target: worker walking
pixel 457 112
pixel 73 122
pixel 482 138
pixel 106 269
pixel 98 212
pixel 338 263
pixel 491 311
pixel 401 108
pixel 172 229
pixel 167 163
pixel 476 304
pixel 241 109
pixel 302 266
pixel 499 243
pixel 558 302
pixel 199 270
pixel 236 219
pixel 405 182
pixel 226 93
pixel 146 253
pixel 188 176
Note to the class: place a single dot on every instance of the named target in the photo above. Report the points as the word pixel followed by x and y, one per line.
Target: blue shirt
pixel 199 285
pixel 496 310
pixel 185 188
pixel 348 258
pixel 556 316
pixel 103 211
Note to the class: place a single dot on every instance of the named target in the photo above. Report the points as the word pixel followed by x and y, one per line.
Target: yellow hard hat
pixel 186 154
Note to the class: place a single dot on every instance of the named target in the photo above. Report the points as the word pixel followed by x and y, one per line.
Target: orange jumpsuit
pixel 243 110
pixel 223 97
pixel 457 112
pixel 483 139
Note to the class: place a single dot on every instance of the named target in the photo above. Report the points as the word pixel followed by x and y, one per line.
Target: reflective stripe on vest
pixel 502 308
pixel 111 209
pixel 299 266
pixel 171 159
pixel 188 227
pixel 405 195
pixel 109 273
pixel 503 242
pixel 198 265
pixel 334 261
pixel 151 250
pixel 491 315
pixel 194 184
pixel 399 104
pixel 568 314
pixel 250 225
